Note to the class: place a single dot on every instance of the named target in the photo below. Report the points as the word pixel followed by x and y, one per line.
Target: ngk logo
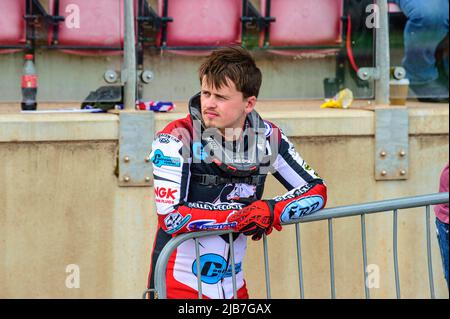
pixel 165 193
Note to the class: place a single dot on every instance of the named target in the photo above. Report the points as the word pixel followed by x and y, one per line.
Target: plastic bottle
pixel 342 100
pixel 29 84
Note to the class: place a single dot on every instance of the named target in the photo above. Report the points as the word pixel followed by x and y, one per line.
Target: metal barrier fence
pixel 326 214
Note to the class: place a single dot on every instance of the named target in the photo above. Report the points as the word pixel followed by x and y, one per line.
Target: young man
pixel 209 172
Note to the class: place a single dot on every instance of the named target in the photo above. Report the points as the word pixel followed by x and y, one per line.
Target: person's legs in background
pixel 426 27
pixel 442 234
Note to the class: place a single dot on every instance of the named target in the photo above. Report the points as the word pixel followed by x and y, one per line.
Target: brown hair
pixel 236 64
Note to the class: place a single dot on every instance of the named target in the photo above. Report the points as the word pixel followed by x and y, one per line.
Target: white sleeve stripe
pixel 296 161
pixel 288 173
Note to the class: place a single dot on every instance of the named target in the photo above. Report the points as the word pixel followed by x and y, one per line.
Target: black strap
pixel 209 180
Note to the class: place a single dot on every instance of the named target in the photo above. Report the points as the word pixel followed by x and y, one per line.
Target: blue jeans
pixel 442 230
pixel 426 27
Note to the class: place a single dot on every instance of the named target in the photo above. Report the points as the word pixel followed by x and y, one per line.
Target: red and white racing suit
pixel 185 204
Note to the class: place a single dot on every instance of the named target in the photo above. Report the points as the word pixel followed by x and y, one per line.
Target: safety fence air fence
pixel 393 205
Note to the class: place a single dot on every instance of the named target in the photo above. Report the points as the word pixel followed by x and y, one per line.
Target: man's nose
pixel 210 102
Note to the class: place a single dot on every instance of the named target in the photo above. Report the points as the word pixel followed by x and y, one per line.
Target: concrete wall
pixel 60 205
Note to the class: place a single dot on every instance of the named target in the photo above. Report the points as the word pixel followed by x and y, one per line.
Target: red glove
pixel 255 219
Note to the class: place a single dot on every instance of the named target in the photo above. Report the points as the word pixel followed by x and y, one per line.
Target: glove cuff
pixel 271 204
pixel 275 216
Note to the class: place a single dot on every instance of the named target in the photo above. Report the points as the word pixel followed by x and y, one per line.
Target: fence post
pixel 331 251
pixel 395 250
pixel 199 271
pixel 382 55
pixel 266 266
pixel 299 260
pixel 233 266
pixel 364 250
pixel 129 58
pixel 430 263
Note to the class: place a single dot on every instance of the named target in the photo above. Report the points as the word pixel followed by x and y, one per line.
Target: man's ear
pixel 251 102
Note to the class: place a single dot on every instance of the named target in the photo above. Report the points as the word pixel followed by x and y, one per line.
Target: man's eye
pixel 206 94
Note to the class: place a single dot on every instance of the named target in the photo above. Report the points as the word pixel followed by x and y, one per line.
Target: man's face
pixel 225 107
